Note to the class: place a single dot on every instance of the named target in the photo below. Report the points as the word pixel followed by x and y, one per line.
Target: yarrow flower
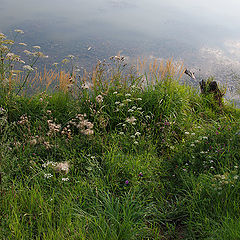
pixel 27 67
pixel 131 120
pixel 48 175
pixel 19 31
pixel 36 47
pixel 2 36
pixel 99 98
pixel 65 179
pixel 62 167
pixel 27 52
pixel 23 44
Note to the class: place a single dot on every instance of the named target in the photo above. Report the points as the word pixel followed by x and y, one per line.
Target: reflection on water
pixel 204 34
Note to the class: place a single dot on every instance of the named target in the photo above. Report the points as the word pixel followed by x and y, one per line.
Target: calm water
pixel 204 34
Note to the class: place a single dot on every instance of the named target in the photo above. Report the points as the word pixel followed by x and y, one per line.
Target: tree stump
pixel 211 87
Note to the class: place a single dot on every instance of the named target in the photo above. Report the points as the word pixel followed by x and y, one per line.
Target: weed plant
pixel 115 154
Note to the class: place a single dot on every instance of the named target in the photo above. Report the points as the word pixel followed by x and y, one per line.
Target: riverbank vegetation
pixel 114 154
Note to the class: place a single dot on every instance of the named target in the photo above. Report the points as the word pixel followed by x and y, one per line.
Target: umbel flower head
pixel 99 98
pixel 62 167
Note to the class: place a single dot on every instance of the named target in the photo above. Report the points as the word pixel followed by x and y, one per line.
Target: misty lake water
pixel 204 34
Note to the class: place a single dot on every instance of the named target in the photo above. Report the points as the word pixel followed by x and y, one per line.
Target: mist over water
pixel 204 34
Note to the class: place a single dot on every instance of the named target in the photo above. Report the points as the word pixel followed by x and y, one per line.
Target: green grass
pixel 155 161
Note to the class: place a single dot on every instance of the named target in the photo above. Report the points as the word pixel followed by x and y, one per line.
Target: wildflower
pixel 65 179
pixel 193 134
pixel 139 99
pixel 137 134
pixel 140 174
pixel 27 67
pixel 23 120
pixel 139 109
pixel 196 141
pixel 33 141
pixel 19 31
pixel 192 145
pixel 133 136
pixel 71 56
pixel 134 107
pixel 187 133
pixel 47 145
pixel 136 142
pixel 127 94
pixel 131 120
pixel 86 85
pixel 10 55
pixel 235 177
pixel 126 182
pixel 48 175
pixel 130 110
pixel 217 132
pixel 128 100
pixel 117 103
pixel 2 36
pixel 62 167
pixel 36 47
pixel 39 54
pixel 99 98
pixel 205 138
pixel 88 132
pixel 23 44
pixel 121 133
pixel 64 61
pixel 51 163
pixel 114 93
pixel 27 52
pixel 121 104
pixel 3 48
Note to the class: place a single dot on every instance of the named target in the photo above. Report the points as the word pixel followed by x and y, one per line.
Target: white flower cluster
pixel 62 167
pixel 99 99
pixel 132 120
pixel 23 120
pixel 81 123
pixel 53 127
pixel 14 57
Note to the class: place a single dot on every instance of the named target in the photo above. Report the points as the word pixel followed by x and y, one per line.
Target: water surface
pixel 204 34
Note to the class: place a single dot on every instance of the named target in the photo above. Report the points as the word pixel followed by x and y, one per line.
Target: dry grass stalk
pixel 160 69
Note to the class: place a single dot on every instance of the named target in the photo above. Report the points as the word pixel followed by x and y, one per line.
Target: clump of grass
pixel 111 155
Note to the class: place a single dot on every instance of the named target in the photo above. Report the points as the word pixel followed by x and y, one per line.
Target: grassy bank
pixel 118 155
